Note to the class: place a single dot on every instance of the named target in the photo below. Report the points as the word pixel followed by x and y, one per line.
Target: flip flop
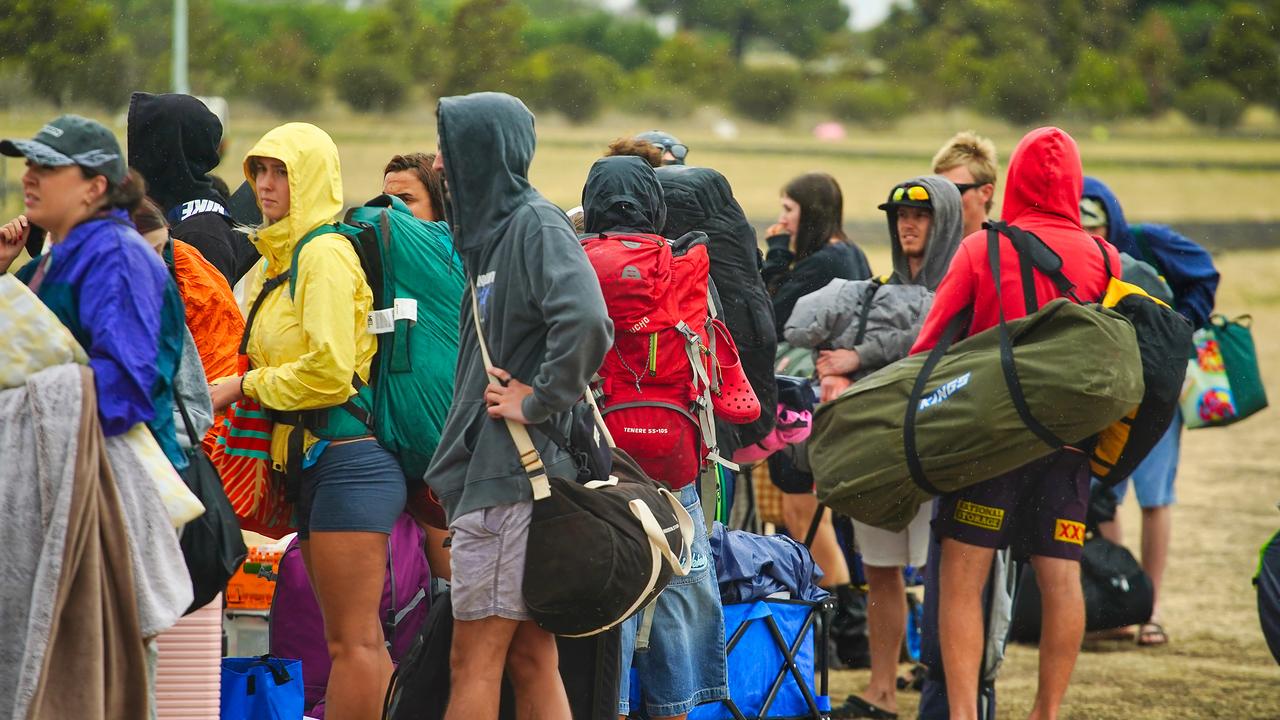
pixel 856 707
pixel 1152 630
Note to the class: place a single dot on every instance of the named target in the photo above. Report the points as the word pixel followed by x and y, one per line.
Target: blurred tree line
pixel 1096 59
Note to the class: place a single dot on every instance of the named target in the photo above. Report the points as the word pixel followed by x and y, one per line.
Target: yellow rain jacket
pixel 304 349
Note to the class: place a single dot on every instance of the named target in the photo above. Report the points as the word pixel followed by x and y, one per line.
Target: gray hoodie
pixel 542 312
pixel 828 318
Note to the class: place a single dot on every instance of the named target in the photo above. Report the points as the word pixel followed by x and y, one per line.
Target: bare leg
pixel 476 661
pixel 1062 608
pixel 962 575
pixel 533 665
pixel 797 513
pixel 437 553
pixel 1157 531
pixel 886 626
pixel 347 570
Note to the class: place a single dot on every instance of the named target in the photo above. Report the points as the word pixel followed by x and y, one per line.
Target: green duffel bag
pixel 935 423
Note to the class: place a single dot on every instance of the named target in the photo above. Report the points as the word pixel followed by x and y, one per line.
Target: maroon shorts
pixel 1038 509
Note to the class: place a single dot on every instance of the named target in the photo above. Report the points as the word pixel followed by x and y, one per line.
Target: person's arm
pixel 579 331
pixel 778 259
pixel 955 293
pixel 1189 270
pixel 329 275
pixel 120 309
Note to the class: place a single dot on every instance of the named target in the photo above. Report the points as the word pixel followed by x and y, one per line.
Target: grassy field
pixel 1162 172
pixel 1216 664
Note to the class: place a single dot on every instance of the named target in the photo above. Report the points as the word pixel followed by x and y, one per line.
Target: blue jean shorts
pixel 1153 480
pixel 684 664
pixel 352 487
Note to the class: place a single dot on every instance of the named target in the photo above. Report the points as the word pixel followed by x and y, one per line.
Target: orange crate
pixel 254 584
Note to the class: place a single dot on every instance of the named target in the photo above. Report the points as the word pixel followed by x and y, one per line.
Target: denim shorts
pixel 1153 479
pixel 684 664
pixel 352 487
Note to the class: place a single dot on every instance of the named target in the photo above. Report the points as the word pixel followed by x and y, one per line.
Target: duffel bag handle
pixel 658 538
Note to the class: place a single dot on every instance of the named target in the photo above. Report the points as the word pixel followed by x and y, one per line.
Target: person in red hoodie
pixel 1040 506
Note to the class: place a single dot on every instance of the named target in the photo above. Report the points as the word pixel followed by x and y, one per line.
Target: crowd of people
pixel 175 288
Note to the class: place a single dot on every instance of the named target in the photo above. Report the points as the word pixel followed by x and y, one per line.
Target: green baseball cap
pixel 72 140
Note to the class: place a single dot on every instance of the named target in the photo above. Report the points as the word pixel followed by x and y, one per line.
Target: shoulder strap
pixel 1144 247
pixel 1106 260
pixel 865 311
pixel 1006 353
pixel 529 457
pixel 1034 253
pixel 267 286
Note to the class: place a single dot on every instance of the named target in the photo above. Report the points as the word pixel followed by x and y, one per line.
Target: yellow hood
pixel 315 187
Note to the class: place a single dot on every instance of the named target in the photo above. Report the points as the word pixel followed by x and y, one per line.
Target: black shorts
pixel 1038 509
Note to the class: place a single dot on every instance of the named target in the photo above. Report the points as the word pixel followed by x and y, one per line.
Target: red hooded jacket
pixel 1042 196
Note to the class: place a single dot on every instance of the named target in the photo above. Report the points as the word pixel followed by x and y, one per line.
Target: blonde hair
pixel 974 152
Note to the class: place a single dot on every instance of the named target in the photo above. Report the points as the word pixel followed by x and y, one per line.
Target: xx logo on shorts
pixel 971 513
pixel 1068 531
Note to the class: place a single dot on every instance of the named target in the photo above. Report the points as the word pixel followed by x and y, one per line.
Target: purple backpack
pixel 297 628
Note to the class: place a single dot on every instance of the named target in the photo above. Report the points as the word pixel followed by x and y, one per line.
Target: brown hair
pixel 125 195
pixel 630 146
pixel 821 211
pixel 974 152
pixel 420 164
pixel 148 217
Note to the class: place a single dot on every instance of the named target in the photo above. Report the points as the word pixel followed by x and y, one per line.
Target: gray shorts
pixel 487 561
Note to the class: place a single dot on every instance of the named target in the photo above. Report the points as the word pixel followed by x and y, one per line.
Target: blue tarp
pixel 752 567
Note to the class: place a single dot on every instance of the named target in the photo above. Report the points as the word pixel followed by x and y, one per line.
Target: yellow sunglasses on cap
pixel 914 192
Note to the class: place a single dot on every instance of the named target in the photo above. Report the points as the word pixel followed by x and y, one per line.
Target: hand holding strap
pixel 530 460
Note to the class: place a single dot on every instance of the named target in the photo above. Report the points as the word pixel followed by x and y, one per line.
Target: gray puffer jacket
pixel 830 319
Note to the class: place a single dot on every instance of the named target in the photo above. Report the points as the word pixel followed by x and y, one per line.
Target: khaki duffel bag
pixel 937 422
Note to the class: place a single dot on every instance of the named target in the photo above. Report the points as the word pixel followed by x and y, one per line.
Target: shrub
pixel 283 74
pixel 1021 87
pixel 569 80
pixel 367 81
pixel 1213 103
pixel 765 94
pixel 1104 87
pixel 875 103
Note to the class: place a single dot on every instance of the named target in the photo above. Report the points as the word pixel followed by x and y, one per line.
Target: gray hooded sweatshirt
pixel 541 309
pixel 828 318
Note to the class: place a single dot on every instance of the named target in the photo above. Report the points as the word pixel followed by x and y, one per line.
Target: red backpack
pixel 655 384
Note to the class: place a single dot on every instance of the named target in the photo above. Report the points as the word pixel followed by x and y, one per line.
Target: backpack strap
pixel 1034 254
pixel 1006 352
pixel 864 313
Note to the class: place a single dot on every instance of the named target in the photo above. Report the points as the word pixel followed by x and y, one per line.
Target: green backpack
pixel 417 282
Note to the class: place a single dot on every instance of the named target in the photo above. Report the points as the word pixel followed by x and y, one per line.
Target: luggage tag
pixel 384 321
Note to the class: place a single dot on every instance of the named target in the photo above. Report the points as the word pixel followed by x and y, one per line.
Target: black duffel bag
pixel 1117 593
pixel 212 544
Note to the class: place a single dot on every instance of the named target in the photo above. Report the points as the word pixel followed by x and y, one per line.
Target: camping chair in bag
pixel 775 649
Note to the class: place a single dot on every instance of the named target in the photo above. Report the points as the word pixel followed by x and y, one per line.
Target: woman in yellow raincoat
pixel 309 355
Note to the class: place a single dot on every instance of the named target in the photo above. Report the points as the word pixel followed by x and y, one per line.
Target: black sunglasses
pixel 677 150
pixel 966 187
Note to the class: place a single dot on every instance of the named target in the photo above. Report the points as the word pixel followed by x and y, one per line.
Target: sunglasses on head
pixel 914 192
pixel 966 187
pixel 677 150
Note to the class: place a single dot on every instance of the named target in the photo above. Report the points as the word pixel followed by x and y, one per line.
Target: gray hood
pixel 488 141
pixel 622 194
pixel 945 233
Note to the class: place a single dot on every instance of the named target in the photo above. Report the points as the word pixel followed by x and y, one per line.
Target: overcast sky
pixel 865 13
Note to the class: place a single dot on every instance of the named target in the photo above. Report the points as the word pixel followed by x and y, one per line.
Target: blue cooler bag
pixel 261 688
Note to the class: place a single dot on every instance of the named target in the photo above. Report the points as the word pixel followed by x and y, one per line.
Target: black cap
pixel 908 194
pixel 72 140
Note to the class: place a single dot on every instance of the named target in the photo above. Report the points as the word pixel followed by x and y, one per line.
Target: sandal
pixel 1152 635
pixel 856 707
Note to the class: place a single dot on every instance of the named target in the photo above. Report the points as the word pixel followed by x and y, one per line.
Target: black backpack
pixel 1164 344
pixel 700 199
